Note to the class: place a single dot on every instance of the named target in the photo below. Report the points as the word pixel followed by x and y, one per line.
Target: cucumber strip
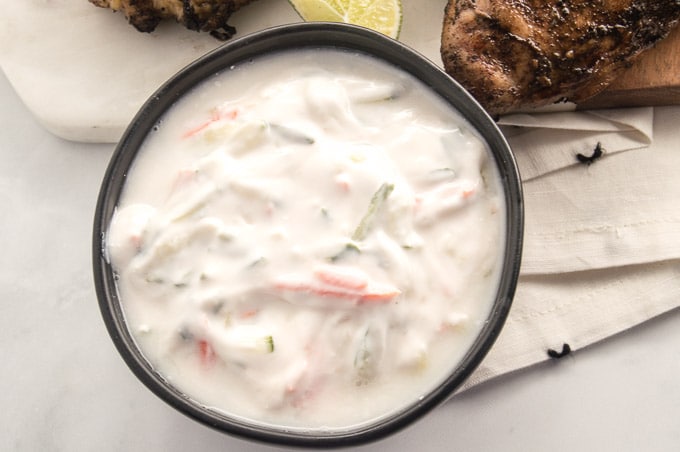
pixel 290 134
pixel 349 248
pixel 368 219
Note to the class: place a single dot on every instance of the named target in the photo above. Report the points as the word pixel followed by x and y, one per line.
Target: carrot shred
pixel 365 294
pixel 341 277
pixel 323 291
pixel 195 130
pixel 216 116
pixel 249 313
pixel 136 241
pixel 206 353
pixel 386 295
pixel 183 178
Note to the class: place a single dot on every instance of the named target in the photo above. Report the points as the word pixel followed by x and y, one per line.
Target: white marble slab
pixel 84 72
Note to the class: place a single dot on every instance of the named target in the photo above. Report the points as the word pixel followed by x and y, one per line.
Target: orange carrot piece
pixel 343 181
pixel 333 292
pixel 136 240
pixel 366 294
pixel 195 130
pixel 249 313
pixel 341 277
pixel 320 290
pixel 385 295
pixel 183 178
pixel 206 353
pixel 216 116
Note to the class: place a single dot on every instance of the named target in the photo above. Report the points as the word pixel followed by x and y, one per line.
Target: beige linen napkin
pixel 602 240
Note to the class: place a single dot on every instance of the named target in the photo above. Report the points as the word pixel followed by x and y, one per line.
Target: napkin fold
pixel 602 236
pixel 551 141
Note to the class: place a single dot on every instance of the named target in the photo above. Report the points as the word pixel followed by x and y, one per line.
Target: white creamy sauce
pixel 310 240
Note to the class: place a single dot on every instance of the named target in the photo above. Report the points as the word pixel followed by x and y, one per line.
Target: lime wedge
pixel 379 15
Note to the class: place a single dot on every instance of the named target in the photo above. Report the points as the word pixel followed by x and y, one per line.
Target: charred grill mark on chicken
pixel 519 54
pixel 199 15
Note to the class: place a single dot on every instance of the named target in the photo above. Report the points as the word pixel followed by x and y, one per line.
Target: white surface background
pixel 55 51
pixel 64 387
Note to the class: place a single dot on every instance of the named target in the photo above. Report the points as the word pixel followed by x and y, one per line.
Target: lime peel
pixel 384 16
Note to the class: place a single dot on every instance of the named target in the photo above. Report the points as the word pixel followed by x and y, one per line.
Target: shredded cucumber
pixel 368 219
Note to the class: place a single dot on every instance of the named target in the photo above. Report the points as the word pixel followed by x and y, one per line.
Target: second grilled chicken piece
pixel 199 15
pixel 518 54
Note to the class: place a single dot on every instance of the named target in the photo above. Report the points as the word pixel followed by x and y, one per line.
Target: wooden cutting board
pixel 654 79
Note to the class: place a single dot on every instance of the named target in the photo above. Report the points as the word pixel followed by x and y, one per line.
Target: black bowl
pixel 297 36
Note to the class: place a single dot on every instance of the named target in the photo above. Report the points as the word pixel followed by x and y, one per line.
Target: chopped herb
pixel 154 279
pixel 257 262
pixel 185 334
pixel 214 307
pixel 363 354
pixel 349 248
pixel 367 357
pixel 225 236
pixel 291 134
pixel 269 342
pixel 377 201
pixel 379 93
pixel 246 339
pixel 261 345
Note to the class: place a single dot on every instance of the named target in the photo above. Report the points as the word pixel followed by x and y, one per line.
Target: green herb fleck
pixel 269 342
pixel 257 262
pixel 291 134
pixel 349 248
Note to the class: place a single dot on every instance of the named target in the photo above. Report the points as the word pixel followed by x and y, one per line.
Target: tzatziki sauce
pixel 310 240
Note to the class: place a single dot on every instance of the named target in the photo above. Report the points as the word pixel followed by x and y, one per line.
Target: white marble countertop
pixel 66 389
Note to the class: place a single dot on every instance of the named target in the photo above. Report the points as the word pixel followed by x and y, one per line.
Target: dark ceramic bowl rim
pixel 286 37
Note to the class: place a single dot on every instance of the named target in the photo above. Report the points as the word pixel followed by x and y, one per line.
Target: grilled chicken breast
pixel 199 15
pixel 519 54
